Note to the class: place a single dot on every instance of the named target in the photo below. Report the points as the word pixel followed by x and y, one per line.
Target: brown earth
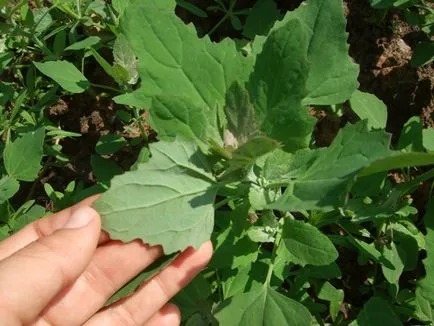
pixel 383 49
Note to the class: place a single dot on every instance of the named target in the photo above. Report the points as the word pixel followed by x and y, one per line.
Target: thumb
pixel 30 278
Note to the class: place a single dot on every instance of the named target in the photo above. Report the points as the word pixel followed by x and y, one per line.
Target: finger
pixel 155 293
pixel 42 228
pixel 113 265
pixel 169 315
pixel 31 277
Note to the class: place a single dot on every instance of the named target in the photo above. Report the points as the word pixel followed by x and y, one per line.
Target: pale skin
pixel 60 270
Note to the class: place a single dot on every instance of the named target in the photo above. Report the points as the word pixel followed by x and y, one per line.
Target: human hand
pixel 60 270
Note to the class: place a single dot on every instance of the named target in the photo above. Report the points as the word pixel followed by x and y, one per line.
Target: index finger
pixel 42 228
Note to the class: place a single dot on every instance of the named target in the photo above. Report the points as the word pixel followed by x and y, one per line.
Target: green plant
pixel 38 45
pixel 233 164
pixel 302 235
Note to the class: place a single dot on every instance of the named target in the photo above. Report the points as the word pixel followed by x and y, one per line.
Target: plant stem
pixel 222 203
pixel 67 10
pixel 140 123
pixel 273 258
pixel 41 19
pixel 78 4
pixel 276 184
pixel 41 173
pixel 226 16
pixel 108 88
pixel 220 293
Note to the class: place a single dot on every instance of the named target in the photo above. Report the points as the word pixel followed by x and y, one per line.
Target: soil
pixel 383 49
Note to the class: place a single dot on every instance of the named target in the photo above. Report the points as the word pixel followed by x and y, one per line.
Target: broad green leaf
pixel 246 278
pixel 144 157
pixel 264 307
pixel 104 169
pixel 383 207
pixel 8 187
pixel 124 56
pixel 426 284
pixel 232 251
pixel 369 251
pixel 59 43
pixel 391 253
pixel 377 312
pixel 22 157
pixel 368 106
pixel 173 61
pixel 98 7
pixel 260 197
pixel 86 43
pixel 398 160
pixel 119 74
pixel 423 307
pixel 109 144
pixel 408 244
pixel 411 136
pixel 369 186
pixel 276 164
pixel 335 296
pixel 319 178
pixel 333 75
pixel 240 115
pixel 247 154
pixel 42 19
pixel 428 139
pixel 236 23
pixel 172 116
pixel 322 272
pixel 423 54
pixel 261 18
pixel 65 74
pixel 304 244
pixel 120 5
pixel 278 85
pixel 193 297
pixel 166 201
pixel 6 93
pixel 261 234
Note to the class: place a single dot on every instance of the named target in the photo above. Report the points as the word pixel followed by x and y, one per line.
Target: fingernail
pixel 80 218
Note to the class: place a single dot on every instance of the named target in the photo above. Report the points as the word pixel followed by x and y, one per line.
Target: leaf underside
pixel 167 201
